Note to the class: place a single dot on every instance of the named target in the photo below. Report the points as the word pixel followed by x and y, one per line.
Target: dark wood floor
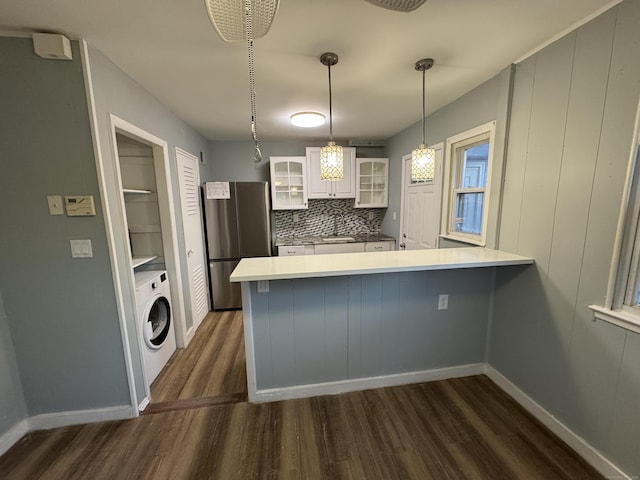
pixel 199 426
pixel 455 429
pixel 211 370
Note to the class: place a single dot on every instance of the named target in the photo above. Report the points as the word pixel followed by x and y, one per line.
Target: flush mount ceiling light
pixel 307 119
pixel 397 5
pixel 423 159
pixel 244 20
pixel 331 165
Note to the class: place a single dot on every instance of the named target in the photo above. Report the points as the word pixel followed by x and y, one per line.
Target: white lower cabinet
pixel 321 249
pixel 385 246
pixel 326 248
pixel 291 250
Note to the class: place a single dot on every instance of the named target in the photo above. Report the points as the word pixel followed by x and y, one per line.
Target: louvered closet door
pixel 189 178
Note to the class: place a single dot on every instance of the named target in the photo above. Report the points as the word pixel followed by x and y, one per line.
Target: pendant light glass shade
pixel 331 162
pixel 423 159
pixel 423 164
pixel 331 156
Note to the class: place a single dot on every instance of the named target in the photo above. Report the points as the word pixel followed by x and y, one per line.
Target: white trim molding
pixel 621 318
pixel 357 384
pixel 11 437
pixel 579 444
pixel 63 419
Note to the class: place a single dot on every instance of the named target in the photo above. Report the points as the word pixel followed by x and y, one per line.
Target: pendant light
pixel 331 157
pixel 423 159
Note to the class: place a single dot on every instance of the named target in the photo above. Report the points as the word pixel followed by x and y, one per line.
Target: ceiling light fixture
pixel 244 20
pixel 397 5
pixel 331 163
pixel 307 119
pixel 423 159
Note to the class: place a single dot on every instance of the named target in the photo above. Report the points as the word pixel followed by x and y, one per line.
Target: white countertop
pixel 333 265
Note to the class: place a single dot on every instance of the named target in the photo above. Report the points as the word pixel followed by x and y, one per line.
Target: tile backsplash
pixel 318 220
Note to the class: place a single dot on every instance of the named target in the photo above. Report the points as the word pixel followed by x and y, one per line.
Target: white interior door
pixel 189 178
pixel 421 207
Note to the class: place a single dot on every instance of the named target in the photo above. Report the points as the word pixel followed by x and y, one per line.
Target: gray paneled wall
pixel 369 325
pixel 574 107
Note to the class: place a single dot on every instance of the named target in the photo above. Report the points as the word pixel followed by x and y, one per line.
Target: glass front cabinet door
pixel 372 179
pixel 288 183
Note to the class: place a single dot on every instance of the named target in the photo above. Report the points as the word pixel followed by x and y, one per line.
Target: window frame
pixel 453 180
pixel 621 306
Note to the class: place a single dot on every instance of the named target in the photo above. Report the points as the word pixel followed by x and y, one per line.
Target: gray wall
pixel 483 104
pixel 12 404
pixel 61 311
pixel 118 94
pixel 574 107
pixel 233 161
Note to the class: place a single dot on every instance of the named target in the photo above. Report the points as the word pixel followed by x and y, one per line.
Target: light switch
pixel 55 204
pixel 81 249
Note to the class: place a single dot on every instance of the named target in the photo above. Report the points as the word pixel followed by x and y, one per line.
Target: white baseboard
pixel 12 436
pixel 586 451
pixel 63 419
pixel 343 386
pixel 143 404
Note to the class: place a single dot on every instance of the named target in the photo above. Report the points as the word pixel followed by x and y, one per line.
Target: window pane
pixel 476 159
pixel 295 168
pixel 468 210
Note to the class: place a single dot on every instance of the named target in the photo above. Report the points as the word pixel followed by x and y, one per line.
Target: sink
pixel 338 239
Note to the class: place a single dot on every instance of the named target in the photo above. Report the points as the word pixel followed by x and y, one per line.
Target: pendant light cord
pixel 424 131
pixel 257 156
pixel 330 108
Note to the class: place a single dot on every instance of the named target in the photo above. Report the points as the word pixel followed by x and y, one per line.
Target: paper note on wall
pixel 218 190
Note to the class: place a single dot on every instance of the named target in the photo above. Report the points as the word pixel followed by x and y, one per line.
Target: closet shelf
pixel 134 190
pixel 138 261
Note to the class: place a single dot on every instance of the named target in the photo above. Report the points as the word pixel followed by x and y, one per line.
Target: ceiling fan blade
pixel 397 5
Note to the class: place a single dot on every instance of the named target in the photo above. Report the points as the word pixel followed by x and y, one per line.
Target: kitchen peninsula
pixel 332 323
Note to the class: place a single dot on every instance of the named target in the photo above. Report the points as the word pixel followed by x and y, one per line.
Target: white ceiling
pixel 170 48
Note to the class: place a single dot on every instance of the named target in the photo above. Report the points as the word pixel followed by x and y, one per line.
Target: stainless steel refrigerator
pixel 235 227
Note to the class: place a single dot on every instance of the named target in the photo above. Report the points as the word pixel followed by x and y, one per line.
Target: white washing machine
pixel 155 320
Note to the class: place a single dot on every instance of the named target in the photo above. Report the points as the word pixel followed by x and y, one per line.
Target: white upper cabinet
pixel 318 188
pixel 288 183
pixel 372 182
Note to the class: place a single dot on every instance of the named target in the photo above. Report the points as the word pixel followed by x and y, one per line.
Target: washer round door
pixel 157 323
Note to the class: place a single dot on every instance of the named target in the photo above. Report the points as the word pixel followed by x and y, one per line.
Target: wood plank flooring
pixel 464 428
pixel 210 370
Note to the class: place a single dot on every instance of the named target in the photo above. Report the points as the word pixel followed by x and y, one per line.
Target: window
pixel 622 303
pixel 468 176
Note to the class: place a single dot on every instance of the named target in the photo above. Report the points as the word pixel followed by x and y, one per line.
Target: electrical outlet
pixel 263 286
pixel 443 302
pixel 296 217
pixel 370 215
